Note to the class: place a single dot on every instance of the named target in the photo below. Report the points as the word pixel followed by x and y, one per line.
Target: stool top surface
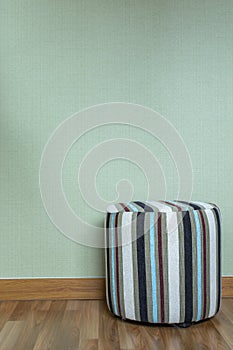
pixel 159 206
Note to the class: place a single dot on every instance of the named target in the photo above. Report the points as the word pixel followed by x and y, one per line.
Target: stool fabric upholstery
pixel 163 261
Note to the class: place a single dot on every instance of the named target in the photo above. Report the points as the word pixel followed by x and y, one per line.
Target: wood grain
pixel 227 286
pixel 68 288
pixel 88 325
pixel 52 288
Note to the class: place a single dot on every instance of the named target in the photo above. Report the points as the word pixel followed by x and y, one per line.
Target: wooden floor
pixel 82 324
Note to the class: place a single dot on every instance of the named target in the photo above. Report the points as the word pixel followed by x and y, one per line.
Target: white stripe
pixel 161 206
pixel 182 205
pixel 112 209
pixel 173 267
pixel 213 268
pixel 205 205
pixel 127 261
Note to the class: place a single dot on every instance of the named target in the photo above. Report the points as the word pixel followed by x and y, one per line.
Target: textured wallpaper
pixel 58 57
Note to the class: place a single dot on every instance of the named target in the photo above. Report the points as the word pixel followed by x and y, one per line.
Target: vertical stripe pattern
pixel 153 268
pixel 141 268
pixel 163 261
pixel 198 266
pixel 127 267
pixel 173 267
pixel 188 267
pixel 113 265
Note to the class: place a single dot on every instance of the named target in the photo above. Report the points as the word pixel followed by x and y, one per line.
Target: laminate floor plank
pixel 224 327
pixel 9 335
pixel 34 320
pixel 168 338
pixel 70 330
pixel 89 328
pixel 227 308
pixel 210 337
pixel 127 335
pixel 108 329
pixel 6 310
pixel 88 325
pixel 51 331
pixel 89 344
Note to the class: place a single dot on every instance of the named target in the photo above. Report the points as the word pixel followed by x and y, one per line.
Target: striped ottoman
pixel 163 261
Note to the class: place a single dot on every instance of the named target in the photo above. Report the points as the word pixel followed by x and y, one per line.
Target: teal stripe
pixel 132 207
pixel 153 267
pixel 113 264
pixel 199 286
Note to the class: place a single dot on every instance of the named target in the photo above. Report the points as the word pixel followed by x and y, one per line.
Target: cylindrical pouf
pixel 163 261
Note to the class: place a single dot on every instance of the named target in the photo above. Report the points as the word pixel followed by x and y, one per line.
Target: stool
pixel 163 261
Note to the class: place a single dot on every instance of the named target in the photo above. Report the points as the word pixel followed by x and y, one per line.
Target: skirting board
pixel 52 288
pixel 68 288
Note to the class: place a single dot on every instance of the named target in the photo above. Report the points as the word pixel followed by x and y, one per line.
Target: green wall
pixel 60 56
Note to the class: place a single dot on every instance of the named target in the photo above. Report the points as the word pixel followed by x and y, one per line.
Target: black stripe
pixel 108 264
pixel 141 267
pixel 188 268
pixel 194 206
pixel 144 206
pixel 217 214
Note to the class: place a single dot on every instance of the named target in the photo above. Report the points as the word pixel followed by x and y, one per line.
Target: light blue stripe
pixel 153 267
pixel 199 286
pixel 132 207
pixel 113 263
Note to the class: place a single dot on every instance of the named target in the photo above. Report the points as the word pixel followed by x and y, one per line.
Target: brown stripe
pixel 173 205
pixel 204 263
pixel 124 207
pixel 161 268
